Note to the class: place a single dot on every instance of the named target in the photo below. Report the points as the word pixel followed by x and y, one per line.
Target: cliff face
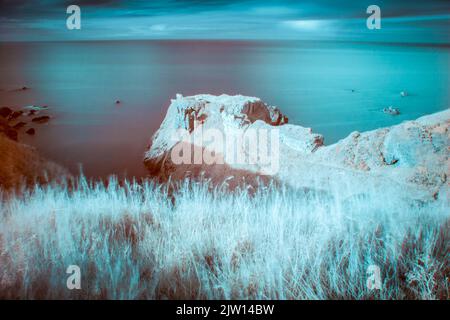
pixel 410 159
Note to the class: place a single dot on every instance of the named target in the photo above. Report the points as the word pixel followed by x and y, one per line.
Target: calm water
pixel 311 82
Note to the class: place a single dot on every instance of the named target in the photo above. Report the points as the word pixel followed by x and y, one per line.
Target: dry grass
pixel 133 241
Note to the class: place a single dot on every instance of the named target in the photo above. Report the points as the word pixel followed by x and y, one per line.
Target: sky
pixel 401 20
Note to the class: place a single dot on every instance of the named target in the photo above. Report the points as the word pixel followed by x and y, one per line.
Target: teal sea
pixel 333 87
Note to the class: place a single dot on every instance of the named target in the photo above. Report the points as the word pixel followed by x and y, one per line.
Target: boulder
pixel 5 112
pixel 19 125
pixel 7 130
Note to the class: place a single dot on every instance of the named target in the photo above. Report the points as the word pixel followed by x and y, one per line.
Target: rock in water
pixel 31 131
pixel 15 115
pixel 36 108
pixel 408 160
pixel 392 111
pixel 43 119
pixel 19 125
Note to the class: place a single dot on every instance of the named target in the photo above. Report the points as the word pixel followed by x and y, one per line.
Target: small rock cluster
pixel 13 121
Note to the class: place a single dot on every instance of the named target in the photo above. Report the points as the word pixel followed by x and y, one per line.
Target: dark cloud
pixel 308 8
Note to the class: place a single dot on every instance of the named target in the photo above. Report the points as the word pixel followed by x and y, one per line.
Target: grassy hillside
pixel 134 241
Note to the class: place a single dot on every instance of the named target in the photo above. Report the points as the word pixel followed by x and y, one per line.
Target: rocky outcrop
pixel 414 154
pixel 410 159
pixel 232 116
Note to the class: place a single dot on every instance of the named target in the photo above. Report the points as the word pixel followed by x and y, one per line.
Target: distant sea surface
pixel 334 88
